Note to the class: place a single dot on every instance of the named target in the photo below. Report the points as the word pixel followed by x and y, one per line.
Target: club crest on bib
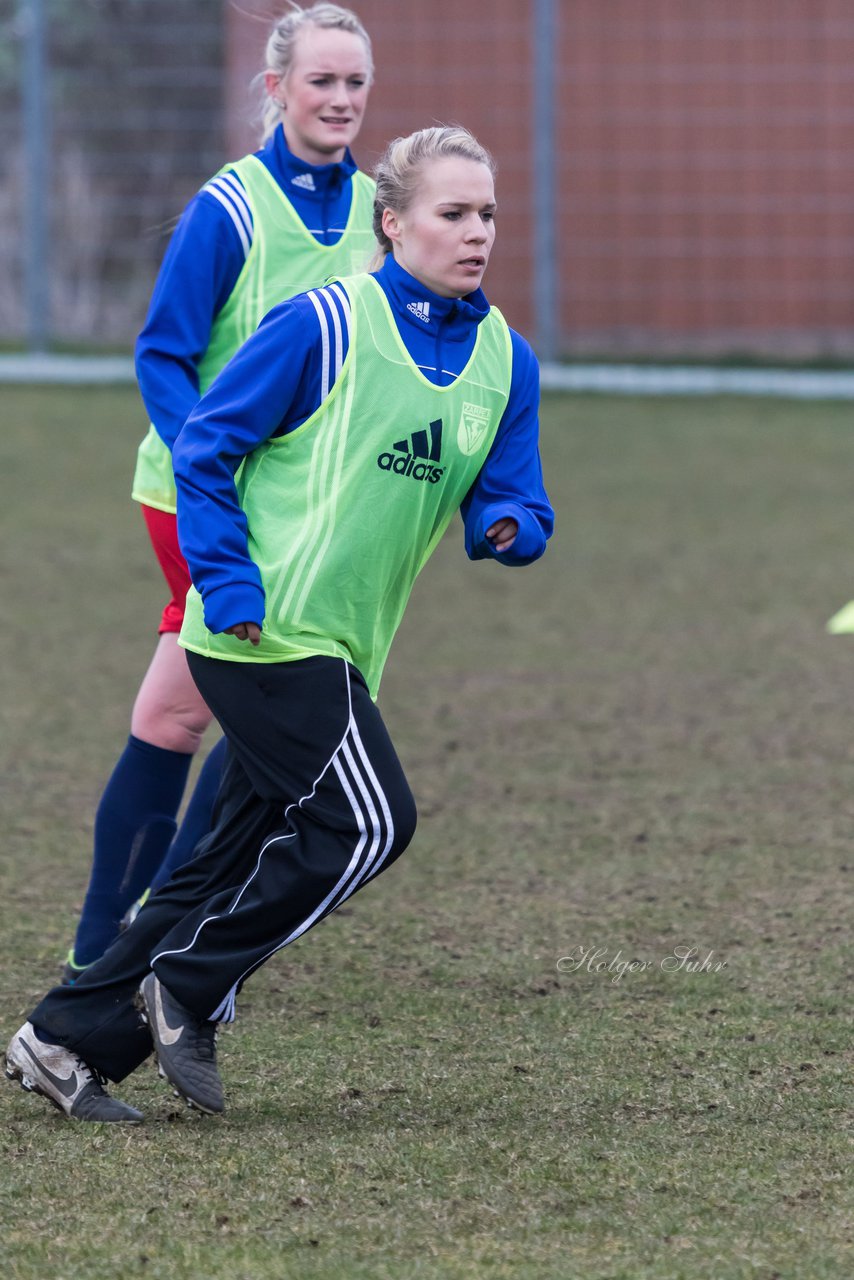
pixel 474 424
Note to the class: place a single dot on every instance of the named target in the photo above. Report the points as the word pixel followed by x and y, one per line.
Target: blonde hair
pixel 399 168
pixel 281 45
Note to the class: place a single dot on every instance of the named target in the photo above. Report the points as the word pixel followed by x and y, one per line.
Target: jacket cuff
pixel 530 541
pixel 227 606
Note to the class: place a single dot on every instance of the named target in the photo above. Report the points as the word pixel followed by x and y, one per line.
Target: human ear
pixel 391 225
pixel 272 80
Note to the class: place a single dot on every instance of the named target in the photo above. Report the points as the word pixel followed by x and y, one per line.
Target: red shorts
pixel 163 531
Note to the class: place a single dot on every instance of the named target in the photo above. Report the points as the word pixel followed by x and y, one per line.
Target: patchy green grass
pixel 498 1061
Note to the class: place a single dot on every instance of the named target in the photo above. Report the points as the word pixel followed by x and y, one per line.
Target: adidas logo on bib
pixel 412 457
pixel 420 309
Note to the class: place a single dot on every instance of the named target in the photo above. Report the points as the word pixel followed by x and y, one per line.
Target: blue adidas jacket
pixel 205 256
pixel 277 380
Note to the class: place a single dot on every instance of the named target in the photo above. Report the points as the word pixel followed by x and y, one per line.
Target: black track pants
pixel 313 804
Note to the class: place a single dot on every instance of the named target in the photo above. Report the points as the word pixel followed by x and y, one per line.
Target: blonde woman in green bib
pixel 272 225
pixel 314 480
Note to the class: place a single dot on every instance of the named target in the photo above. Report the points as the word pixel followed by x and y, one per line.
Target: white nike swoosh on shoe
pixel 164 1031
pixel 67 1085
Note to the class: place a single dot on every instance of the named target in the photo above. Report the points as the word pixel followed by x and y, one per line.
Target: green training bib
pixel 344 512
pixel 284 259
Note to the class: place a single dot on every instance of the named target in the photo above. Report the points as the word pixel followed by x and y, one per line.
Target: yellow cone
pixel 842 623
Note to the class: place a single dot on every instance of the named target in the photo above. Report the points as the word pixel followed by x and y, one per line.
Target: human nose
pixel 476 228
pixel 340 94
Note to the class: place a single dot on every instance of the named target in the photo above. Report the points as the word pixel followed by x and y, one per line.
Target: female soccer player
pixel 314 480
pixel 271 225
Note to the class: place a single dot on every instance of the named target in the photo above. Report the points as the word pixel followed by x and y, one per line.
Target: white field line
pixel 609 379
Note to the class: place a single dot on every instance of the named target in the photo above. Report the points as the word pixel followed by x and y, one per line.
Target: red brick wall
pixel 706 193
pixel 477 76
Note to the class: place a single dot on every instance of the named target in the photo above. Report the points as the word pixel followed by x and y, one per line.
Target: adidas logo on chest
pixel 420 309
pixel 415 455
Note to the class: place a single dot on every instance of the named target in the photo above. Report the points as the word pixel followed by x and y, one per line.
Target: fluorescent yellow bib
pixel 284 259
pixel 344 511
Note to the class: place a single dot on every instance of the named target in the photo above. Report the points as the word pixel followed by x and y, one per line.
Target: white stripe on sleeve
pixel 324 337
pixel 330 301
pixel 239 225
pixel 231 182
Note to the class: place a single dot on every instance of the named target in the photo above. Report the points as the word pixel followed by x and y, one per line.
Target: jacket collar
pixel 429 312
pixel 295 174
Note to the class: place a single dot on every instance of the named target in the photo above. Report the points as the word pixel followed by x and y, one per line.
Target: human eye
pixel 452 215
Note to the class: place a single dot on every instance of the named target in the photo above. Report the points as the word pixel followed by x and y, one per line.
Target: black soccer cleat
pixel 185 1046
pixel 64 1079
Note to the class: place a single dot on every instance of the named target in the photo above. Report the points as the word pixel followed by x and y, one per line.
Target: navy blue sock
pixel 134 827
pixel 197 819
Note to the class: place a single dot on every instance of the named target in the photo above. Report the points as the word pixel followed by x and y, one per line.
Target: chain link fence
pixel 134 109
pixel 673 178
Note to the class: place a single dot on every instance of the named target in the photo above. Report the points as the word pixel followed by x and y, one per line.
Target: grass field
pixel 497 1062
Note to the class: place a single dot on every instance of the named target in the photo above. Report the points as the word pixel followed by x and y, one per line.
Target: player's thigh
pixel 169 710
pixel 295 723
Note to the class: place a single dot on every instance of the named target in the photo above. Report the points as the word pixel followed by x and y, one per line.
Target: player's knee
pixel 170 727
pixel 404 817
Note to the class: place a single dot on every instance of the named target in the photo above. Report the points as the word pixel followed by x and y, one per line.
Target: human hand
pixel 502 534
pixel 245 631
